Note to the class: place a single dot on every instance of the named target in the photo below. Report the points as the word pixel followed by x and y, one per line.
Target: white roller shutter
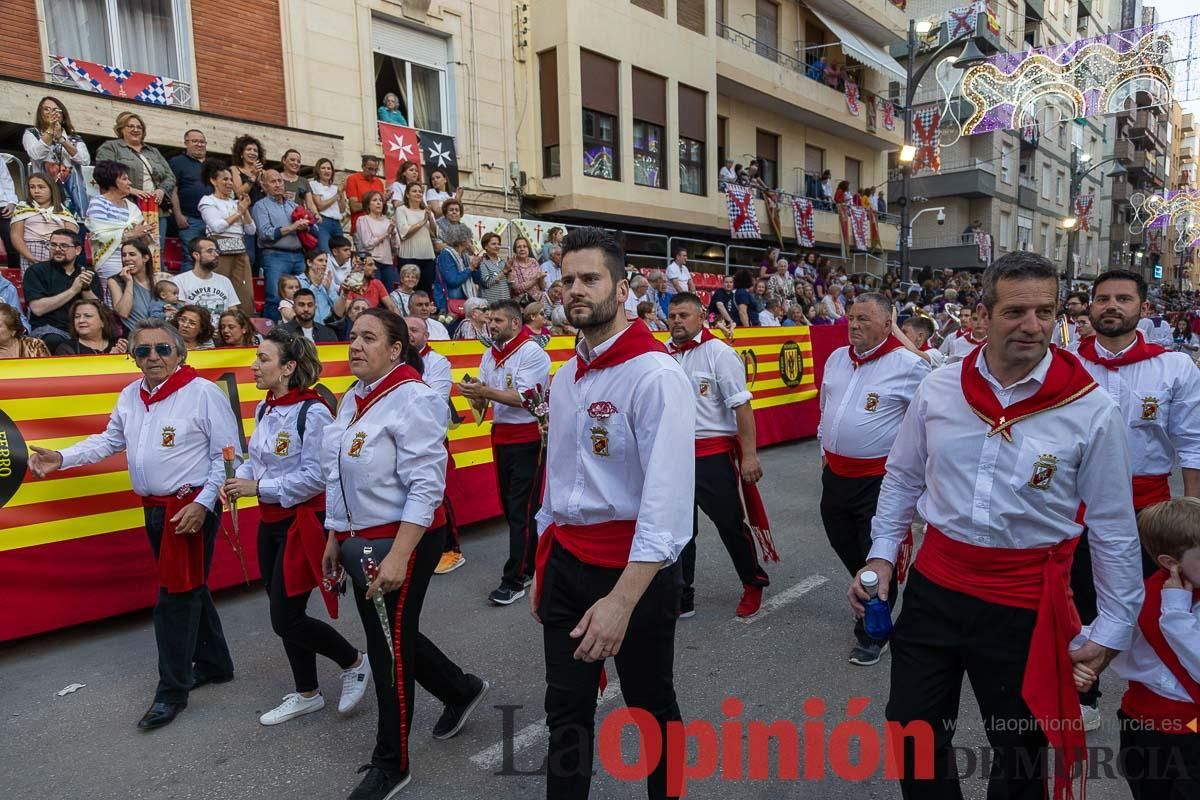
pixel 408 44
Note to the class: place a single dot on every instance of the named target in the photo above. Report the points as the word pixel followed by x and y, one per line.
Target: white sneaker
pixel 1091 717
pixel 293 705
pixel 354 685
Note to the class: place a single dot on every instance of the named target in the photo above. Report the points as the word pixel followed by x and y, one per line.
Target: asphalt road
pixel 84 745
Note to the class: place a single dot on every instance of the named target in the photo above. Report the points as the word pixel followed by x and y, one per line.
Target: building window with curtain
pixel 649 124
pixel 693 128
pixel 767 155
pixel 421 89
pixel 148 36
pixel 601 107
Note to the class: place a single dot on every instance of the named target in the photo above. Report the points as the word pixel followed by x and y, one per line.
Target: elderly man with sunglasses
pixel 172 424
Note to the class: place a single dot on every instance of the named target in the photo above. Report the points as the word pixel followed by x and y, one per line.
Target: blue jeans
pixel 328 228
pixel 252 253
pixel 276 264
pixel 194 229
pixel 387 274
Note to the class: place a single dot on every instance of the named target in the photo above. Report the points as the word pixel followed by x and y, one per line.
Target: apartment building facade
pixel 633 105
pixel 304 74
pixel 1014 184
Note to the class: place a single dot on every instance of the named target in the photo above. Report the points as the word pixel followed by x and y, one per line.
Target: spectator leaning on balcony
pixel 190 186
pixel 726 175
pixel 279 246
pixel 13 341
pixel 390 110
pixel 149 173
pixel 54 148
pixel 826 187
pixel 842 193
pixel 34 220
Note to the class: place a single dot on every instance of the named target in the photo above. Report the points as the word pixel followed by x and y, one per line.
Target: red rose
pixel 601 409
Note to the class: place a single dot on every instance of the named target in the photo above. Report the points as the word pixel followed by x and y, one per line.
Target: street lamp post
pixel 1071 223
pixel 970 56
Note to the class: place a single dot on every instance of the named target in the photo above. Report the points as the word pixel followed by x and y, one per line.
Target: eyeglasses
pixel 61 245
pixel 143 350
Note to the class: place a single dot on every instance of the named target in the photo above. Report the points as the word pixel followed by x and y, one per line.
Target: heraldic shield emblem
pixel 872 401
pixel 1043 471
pixel 283 443
pixel 356 444
pixel 791 364
pixel 599 441
pixel 1149 409
pixel 168 436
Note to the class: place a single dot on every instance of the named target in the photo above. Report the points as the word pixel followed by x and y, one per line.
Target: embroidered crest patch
pixel 704 386
pixel 283 443
pixel 872 401
pixel 168 436
pixel 1150 408
pixel 356 444
pixel 1043 471
pixel 599 441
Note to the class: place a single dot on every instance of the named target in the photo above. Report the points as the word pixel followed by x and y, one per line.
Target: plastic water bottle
pixel 878 619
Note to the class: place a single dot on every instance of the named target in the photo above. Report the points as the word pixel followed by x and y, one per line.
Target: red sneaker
pixel 751 600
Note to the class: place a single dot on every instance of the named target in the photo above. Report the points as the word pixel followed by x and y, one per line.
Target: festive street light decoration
pixel 1175 212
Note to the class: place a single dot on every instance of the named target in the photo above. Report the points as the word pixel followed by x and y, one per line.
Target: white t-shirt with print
pixel 216 293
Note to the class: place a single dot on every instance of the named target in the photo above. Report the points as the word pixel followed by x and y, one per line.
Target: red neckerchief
pixel 426 350
pixel 1140 350
pixel 178 379
pixel 968 335
pixel 889 344
pixel 1066 381
pixel 501 354
pixel 634 341
pixel 1148 622
pixel 293 396
pixel 400 375
pixel 690 344
pixel 925 348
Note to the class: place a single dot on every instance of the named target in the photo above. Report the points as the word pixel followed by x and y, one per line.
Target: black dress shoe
pixel 160 714
pixel 204 680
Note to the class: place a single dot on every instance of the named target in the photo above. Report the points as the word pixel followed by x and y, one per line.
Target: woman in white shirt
pixel 416 225
pixel 284 472
pixel 407 173
pixel 228 221
pixel 329 200
pixel 439 190
pixel 56 149
pixel 384 461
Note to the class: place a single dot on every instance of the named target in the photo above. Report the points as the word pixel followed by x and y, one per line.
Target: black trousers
pixel 12 257
pixel 418 661
pixel 645 665
pixel 847 506
pixel 1083 587
pixel 940 636
pixel 719 497
pixel 191 644
pixel 303 637
pixel 519 470
pixel 1159 766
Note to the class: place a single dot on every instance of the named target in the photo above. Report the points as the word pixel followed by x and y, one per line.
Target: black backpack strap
pixel 301 423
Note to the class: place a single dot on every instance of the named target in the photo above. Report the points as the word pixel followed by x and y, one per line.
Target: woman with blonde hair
pixel 328 201
pixel 149 173
pixel 54 148
pixel 234 330
pixel 416 226
pixel 41 214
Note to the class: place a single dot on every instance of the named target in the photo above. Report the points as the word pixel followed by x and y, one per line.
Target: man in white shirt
pixel 918 330
pixel 832 303
pixel 422 307
pixel 203 287
pixel 772 316
pixel 616 514
pixel 1155 328
pixel 865 393
pixel 341 261
pixel 552 266
pixel 172 425
pixel 968 336
pixel 727 465
pixel 997 452
pixel 514 364
pixel 679 279
pixel 1077 303
pixel 639 287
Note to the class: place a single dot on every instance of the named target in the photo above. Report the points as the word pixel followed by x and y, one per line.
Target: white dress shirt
pixel 523 369
pixel 1160 333
pixel 1160 401
pixel 936 357
pixel 288 470
pixel 552 271
pixel 437 372
pixel 978 489
pixel 861 408
pixel 437 331
pixel 399 471
pixel 718 379
pixel 958 347
pixel 176 443
pixel 1179 622
pixel 678 277
pixel 648 474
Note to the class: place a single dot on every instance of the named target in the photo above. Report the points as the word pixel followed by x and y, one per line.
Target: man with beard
pixel 727 465
pixel 997 453
pixel 1159 394
pixel 51 287
pixel 513 364
pixel 202 286
pixel 865 392
pixel 304 304
pixel 1077 303
pixel 615 517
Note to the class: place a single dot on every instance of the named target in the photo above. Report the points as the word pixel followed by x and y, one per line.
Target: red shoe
pixel 751 600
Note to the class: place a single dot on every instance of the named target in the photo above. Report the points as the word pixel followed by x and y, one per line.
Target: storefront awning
pixel 858 48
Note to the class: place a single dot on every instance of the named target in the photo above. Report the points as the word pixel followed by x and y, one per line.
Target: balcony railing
pixel 59 76
pixel 945 240
pixel 950 167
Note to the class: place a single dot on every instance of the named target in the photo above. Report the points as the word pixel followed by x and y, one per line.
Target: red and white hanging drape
pixel 802 210
pixel 927 137
pixel 743 219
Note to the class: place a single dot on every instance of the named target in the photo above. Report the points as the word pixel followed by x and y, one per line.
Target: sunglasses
pixel 143 350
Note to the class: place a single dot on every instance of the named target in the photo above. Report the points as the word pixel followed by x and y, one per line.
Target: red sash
pixel 176 381
pixel 756 511
pixel 634 341
pixel 303 549
pixel 1037 579
pixel 397 377
pixel 180 556
pixel 1140 350
pixel 1150 489
pixel 384 531
pixel 501 354
pixel 515 433
pixel 889 344
pixel 690 344
pixel 1066 381
pixel 847 467
pixel 605 544
pixel 1141 702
